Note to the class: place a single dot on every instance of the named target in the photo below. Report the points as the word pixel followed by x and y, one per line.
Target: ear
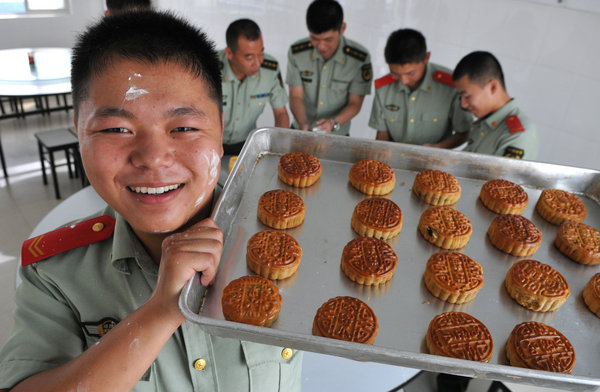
pixel 229 53
pixel 107 13
pixel 222 151
pixel 494 86
pixel 427 57
pixel 343 28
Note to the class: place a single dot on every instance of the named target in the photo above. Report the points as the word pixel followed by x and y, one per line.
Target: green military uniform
pixel 506 132
pixel 327 84
pixel 244 101
pixel 427 115
pixel 66 302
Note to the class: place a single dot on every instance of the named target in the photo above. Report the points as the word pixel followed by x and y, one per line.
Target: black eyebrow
pixel 186 111
pixel 111 111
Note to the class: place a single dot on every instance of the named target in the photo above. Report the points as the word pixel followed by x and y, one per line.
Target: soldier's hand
pixel 325 125
pixel 198 248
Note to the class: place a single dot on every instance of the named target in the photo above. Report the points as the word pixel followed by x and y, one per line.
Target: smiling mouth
pixel 145 190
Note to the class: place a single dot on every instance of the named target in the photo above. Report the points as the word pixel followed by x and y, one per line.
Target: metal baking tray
pixel 403 306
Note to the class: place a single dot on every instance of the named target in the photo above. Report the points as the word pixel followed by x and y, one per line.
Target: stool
pixel 59 140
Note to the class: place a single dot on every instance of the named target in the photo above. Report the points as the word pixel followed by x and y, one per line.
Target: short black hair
pixel 480 67
pixel 324 15
pixel 147 37
pixel 241 27
pixel 405 46
pixel 118 6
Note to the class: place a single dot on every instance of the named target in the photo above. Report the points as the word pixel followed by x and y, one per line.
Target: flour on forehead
pixel 134 92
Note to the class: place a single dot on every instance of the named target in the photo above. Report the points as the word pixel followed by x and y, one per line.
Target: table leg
pixel 3 161
pixel 54 177
pixel 41 152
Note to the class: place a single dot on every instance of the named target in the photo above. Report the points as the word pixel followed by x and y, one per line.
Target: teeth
pixel 154 191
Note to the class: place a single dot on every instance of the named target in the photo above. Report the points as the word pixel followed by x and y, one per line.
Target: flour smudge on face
pixel 134 92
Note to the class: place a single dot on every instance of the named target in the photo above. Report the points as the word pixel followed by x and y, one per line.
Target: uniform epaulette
pixel 356 53
pixel 302 46
pixel 384 81
pixel 66 238
pixel 269 64
pixel 514 124
pixel 443 77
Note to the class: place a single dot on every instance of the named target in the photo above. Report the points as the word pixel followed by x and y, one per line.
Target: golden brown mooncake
pixel 281 209
pixel 459 335
pixel 346 318
pixel 372 177
pixel 538 346
pixel 558 206
pixel 377 217
pixel 515 234
pixel 273 254
pixel 436 187
pixel 591 294
pixel 453 277
pixel 299 169
pixel 504 197
pixel 445 227
pixel 251 300
pixel 536 286
pixel 579 242
pixel 369 261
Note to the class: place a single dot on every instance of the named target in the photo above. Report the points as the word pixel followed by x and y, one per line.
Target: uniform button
pixel 412 120
pixel 200 364
pixel 287 353
pixel 260 104
pixel 324 68
pixel 435 120
pixel 481 133
pixel 413 99
pixel 322 86
pixel 98 227
pixel 238 103
pixel 392 119
pixel 237 119
pixel 341 59
pixel 494 123
pixel 409 140
pixel 321 103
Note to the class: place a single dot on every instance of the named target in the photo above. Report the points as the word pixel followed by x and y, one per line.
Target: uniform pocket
pixel 339 86
pixel 269 371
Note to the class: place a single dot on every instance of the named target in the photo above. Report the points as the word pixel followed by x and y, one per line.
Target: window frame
pixel 50 13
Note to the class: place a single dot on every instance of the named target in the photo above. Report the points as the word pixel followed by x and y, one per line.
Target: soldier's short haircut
pixel 405 46
pixel 241 27
pixel 323 16
pixel 147 37
pixel 118 6
pixel 480 67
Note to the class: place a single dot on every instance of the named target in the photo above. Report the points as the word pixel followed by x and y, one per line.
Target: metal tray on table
pixel 403 305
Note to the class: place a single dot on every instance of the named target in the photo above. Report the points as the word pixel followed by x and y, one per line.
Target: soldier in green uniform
pixel 416 102
pixel 328 74
pixel 97 307
pixel 502 129
pixel 251 79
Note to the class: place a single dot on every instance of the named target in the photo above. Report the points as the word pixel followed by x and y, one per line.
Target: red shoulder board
pixel 67 238
pixel 384 81
pixel 514 124
pixel 443 77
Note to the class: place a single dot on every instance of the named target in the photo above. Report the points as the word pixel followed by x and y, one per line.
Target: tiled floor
pixel 24 201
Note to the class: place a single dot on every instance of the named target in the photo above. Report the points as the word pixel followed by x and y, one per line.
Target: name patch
pixel 513 152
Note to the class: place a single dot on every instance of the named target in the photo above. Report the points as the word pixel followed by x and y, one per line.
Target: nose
pixel 463 102
pixel 404 80
pixel 152 151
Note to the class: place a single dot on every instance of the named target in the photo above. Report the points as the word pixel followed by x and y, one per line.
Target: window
pixel 29 8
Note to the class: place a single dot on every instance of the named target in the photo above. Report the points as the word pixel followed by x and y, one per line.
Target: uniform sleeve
pixel 292 75
pixel 45 334
pixel 377 119
pixel 362 81
pixel 461 119
pixel 278 95
pixel 520 145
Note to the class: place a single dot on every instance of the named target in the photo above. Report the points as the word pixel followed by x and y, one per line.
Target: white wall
pixel 548 50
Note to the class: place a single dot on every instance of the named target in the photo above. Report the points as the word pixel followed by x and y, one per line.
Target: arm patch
pixel 513 152
pixel 356 53
pixel 302 46
pixel 367 72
